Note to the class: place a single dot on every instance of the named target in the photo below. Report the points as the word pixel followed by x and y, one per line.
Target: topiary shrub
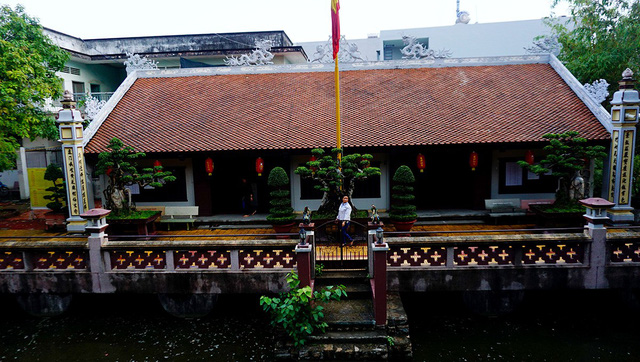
pixel 281 212
pixel 58 195
pixel 402 195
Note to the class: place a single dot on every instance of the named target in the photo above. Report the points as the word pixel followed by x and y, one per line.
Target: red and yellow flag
pixel 335 27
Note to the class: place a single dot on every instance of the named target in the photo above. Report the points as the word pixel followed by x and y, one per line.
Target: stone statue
pixel 375 218
pixel 306 216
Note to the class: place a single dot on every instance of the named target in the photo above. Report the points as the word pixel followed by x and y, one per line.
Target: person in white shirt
pixel 344 218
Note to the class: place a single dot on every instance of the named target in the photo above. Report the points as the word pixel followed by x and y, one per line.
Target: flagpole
pixel 337 81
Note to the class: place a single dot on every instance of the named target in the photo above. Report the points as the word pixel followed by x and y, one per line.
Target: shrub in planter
pixel 281 212
pixel 58 193
pixel 402 209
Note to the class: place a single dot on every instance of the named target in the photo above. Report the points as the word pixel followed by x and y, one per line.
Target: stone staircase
pixel 352 333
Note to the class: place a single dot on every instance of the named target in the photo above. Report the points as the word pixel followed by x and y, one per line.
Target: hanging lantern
pixel 313 158
pixel 473 160
pixel 208 166
pixel 109 171
pixel 529 157
pixel 421 162
pixel 259 165
pixel 156 164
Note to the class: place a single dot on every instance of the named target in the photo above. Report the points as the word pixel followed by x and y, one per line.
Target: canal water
pixel 549 326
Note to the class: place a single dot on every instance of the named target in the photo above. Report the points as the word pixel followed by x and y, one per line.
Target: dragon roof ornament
pixel 261 55
pixel 415 50
pixel 137 62
pixel 348 53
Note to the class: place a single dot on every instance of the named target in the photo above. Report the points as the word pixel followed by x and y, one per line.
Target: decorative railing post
pixel 625 106
pixel 379 273
pixel 96 226
pixel 71 135
pixel 304 253
pixel 596 217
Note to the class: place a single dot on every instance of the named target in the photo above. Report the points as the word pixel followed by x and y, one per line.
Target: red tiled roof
pixel 425 106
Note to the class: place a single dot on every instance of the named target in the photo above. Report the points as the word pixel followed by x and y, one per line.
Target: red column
pixel 303 262
pixel 380 282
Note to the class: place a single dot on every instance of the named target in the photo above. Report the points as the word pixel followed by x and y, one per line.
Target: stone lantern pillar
pixel 624 117
pixel 71 135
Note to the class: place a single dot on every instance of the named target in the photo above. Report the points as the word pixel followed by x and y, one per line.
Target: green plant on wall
pixel 281 211
pixel 297 311
pixel 58 193
pixel 336 178
pixel 120 167
pixel 567 155
pixel 402 208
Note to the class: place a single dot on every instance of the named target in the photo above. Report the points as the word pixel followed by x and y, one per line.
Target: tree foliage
pixel 58 192
pixel 603 40
pixel 297 310
pixel 567 156
pixel 336 178
pixel 119 164
pixel 402 195
pixel 281 211
pixel 28 63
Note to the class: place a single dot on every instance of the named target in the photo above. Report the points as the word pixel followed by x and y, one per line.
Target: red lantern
pixel 109 171
pixel 421 162
pixel 156 164
pixel 313 159
pixel 208 166
pixel 529 157
pixel 473 160
pixel 259 165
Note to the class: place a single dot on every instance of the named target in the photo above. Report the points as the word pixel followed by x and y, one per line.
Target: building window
pixel 170 191
pixel 78 91
pixel 71 70
pixel 95 88
pixel 516 180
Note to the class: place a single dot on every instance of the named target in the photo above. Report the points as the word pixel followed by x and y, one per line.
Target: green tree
pixel 119 164
pixel 402 208
pixel 335 178
pixel 601 39
pixel 281 211
pixel 58 195
pixel 567 155
pixel 28 63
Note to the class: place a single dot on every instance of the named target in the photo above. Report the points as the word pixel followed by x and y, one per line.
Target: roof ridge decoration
pixel 136 62
pixel 598 90
pixel 260 56
pixel 415 50
pixel 348 53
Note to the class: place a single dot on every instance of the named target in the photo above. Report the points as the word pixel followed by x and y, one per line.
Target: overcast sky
pixel 302 20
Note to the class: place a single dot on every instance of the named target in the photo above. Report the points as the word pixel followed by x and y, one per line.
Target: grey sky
pixel 303 20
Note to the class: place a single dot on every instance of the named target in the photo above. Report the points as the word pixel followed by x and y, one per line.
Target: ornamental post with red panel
pixel 303 255
pixel 379 283
pixel 71 135
pixel 624 117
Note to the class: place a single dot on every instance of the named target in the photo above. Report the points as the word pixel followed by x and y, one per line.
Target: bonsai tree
pixel 567 156
pixel 281 212
pixel 402 195
pixel 335 178
pixel 120 167
pixel 58 193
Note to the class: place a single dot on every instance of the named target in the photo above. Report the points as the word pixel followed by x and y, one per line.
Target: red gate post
pixel 379 283
pixel 304 252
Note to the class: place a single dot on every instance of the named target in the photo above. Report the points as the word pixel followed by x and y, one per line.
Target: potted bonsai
pixel 281 212
pixel 567 156
pixel 120 167
pixel 336 178
pixel 57 197
pixel 403 212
